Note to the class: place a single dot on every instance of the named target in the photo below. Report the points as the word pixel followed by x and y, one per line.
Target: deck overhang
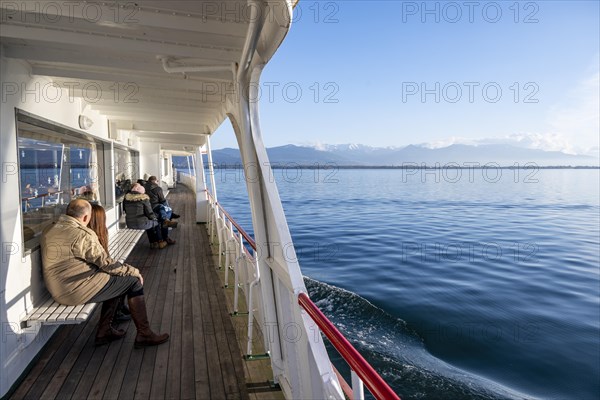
pixel 156 69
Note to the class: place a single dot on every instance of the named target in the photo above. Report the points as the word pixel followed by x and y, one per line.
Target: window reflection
pixel 126 171
pixel 54 168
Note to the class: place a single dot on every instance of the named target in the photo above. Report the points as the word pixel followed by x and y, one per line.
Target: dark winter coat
pixel 138 212
pixel 156 194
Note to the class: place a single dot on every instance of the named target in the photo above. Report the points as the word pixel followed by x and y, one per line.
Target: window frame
pixel 104 149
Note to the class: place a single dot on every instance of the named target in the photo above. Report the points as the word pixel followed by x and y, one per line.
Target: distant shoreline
pixel 447 166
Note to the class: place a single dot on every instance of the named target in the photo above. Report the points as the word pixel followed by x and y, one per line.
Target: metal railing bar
pixel 376 385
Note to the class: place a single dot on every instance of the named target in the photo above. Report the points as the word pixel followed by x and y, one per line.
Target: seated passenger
pixel 77 270
pixel 139 215
pixel 98 225
pixel 87 193
pixel 159 203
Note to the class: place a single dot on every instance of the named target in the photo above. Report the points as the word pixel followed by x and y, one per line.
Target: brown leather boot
pixel 145 336
pixel 106 333
pixel 169 224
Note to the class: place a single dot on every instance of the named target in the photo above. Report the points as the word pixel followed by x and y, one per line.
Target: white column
pixel 300 364
pixel 201 196
pixel 211 169
pixel 150 159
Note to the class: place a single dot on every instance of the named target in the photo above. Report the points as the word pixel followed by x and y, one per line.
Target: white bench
pixel 52 313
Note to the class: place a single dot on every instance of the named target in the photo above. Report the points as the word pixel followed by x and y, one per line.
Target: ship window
pixel 55 167
pixel 126 171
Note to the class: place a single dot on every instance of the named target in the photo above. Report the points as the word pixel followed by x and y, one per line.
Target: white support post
pixel 254 183
pixel 251 309
pixel 358 389
pixel 211 169
pixel 238 261
pixel 201 195
pixel 194 163
pixel 228 240
pixel 300 372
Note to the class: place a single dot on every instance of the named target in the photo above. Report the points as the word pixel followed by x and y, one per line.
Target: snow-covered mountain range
pixel 357 155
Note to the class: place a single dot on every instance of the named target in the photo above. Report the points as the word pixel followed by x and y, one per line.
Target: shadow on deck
pixel 184 296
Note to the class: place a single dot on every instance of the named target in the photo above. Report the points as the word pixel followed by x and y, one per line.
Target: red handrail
pixel 376 385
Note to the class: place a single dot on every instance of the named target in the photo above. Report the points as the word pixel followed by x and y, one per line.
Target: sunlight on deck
pixel 185 297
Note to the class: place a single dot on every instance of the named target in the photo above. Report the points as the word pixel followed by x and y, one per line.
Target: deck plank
pixel 173 383
pixel 132 373
pixel 43 359
pixel 159 377
pixel 188 386
pixel 198 288
pixel 218 310
pixel 184 297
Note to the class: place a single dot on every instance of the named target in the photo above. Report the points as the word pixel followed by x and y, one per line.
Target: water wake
pixel 397 352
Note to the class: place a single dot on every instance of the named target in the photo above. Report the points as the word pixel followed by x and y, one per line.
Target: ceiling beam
pixel 158 108
pixel 108 99
pixel 167 127
pixel 167 117
pixel 213 17
pixel 98 42
pixel 79 58
pixel 175 139
pixel 166 81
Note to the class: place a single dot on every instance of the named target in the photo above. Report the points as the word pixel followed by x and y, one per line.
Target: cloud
pixel 573 125
pixel 579 119
pixel 528 140
pixel 534 140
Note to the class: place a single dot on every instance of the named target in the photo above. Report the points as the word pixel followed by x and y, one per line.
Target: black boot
pixel 122 314
pixel 106 333
pixel 145 336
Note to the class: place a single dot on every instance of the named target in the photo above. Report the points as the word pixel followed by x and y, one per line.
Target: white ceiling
pixel 111 54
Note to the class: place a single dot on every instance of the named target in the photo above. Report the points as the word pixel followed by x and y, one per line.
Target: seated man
pixel 77 270
pixel 159 203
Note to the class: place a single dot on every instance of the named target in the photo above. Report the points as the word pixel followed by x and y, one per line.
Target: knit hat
pixel 138 188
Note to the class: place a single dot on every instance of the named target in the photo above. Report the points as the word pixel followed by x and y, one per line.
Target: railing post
pixel 211 169
pixel 238 261
pixel 199 183
pixel 358 389
pixel 229 234
pixel 220 226
pixel 251 308
pixel 212 212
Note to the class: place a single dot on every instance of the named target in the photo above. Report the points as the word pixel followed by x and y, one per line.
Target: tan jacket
pixel 75 264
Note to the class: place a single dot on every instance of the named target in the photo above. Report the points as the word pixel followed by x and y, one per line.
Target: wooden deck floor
pixel 184 296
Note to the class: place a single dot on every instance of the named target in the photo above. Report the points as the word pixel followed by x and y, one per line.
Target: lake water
pixel 464 284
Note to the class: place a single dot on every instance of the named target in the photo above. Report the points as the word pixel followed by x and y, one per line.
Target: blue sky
pixel 393 73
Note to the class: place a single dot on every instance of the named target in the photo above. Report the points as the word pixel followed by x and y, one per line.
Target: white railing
pixel 234 256
pixel 187 179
